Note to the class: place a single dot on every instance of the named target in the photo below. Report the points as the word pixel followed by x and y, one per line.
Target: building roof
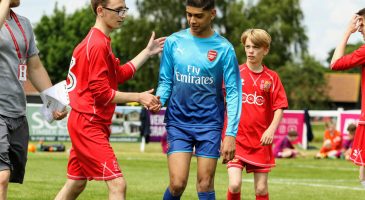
pixel 343 87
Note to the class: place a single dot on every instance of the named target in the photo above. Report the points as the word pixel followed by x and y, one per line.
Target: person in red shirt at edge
pixel 342 62
pixel 263 101
pixel 92 83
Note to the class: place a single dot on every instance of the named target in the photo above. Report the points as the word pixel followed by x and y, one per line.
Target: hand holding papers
pixel 54 99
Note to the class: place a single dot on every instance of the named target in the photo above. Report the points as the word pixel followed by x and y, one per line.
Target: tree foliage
pixel 58 34
pixel 305 84
pixel 127 43
pixel 283 20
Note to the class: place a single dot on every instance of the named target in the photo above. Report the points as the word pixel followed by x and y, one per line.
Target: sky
pixel 325 20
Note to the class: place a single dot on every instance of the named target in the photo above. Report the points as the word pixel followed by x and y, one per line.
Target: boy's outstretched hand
pixel 155 46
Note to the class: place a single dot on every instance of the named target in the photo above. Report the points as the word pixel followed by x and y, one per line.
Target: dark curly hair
pixel 204 4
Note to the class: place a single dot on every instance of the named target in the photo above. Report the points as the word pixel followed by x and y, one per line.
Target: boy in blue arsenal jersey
pixel 195 64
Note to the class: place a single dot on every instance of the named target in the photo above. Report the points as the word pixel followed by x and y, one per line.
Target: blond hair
pixel 259 37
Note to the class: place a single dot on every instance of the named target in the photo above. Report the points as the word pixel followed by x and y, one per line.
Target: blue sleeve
pixel 232 82
pixel 165 82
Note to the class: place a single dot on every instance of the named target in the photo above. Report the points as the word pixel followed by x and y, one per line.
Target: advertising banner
pixel 157 125
pixel 125 125
pixel 40 129
pixel 345 119
pixel 292 121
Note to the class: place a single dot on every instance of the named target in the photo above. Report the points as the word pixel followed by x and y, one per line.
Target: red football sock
pixel 233 196
pixel 263 197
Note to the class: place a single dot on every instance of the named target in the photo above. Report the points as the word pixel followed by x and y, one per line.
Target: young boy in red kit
pixel 340 61
pixel 263 101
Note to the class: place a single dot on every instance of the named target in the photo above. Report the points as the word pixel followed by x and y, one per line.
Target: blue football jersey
pixel 192 73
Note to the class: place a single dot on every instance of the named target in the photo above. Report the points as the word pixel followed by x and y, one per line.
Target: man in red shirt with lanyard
pixel 19 60
pixel 340 61
pixel 92 83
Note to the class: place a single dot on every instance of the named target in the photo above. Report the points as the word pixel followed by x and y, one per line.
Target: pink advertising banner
pixel 292 121
pixel 347 118
pixel 157 125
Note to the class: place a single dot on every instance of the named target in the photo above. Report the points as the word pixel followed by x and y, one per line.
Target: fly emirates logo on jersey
pixel 193 76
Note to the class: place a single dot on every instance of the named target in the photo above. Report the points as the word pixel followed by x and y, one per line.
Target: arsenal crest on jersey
pixel 212 55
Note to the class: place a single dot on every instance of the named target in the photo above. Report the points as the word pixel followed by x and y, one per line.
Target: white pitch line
pixel 290 182
pixel 314 180
pixel 331 168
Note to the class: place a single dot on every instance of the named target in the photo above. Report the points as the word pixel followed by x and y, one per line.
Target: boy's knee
pixel 4 178
pixel 117 185
pixel 235 187
pixel 261 190
pixel 205 184
pixel 77 186
pixel 81 186
pixel 177 187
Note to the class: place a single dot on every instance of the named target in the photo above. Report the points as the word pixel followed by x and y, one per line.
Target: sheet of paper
pixel 54 98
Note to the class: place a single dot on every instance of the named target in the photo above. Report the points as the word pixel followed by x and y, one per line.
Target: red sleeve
pixel 99 83
pixel 351 60
pixel 125 72
pixel 279 100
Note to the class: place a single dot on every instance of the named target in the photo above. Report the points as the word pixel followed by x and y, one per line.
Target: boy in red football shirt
pixel 92 84
pixel 263 101
pixel 340 61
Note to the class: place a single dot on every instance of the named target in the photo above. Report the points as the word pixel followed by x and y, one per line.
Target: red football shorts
pixel 249 167
pixel 91 156
pixel 358 147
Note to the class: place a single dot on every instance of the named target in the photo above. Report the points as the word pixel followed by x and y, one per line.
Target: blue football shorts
pixel 207 141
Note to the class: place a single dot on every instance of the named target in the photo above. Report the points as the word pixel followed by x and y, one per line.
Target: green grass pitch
pixel 147 177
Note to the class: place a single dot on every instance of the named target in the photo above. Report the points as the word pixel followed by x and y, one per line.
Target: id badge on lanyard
pixel 22 72
pixel 22 67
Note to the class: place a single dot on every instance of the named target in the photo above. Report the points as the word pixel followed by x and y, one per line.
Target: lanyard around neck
pixel 13 15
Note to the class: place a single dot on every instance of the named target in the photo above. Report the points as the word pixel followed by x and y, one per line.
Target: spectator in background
pixel 347 146
pixel 285 148
pixel 331 142
pixel 145 124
